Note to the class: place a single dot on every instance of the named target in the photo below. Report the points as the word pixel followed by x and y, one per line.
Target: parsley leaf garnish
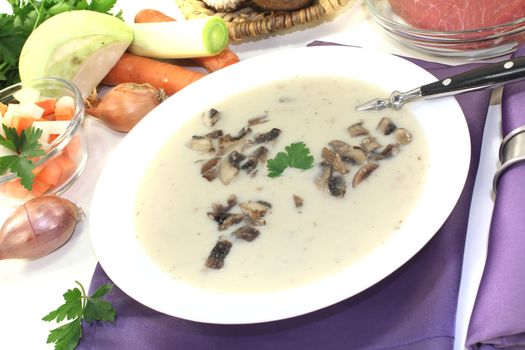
pixel 27 146
pixel 78 307
pixel 26 16
pixel 297 155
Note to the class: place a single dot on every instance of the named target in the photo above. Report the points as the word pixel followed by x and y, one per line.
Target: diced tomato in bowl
pixel 44 117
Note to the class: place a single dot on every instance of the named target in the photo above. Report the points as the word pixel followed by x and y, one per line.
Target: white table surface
pixel 30 289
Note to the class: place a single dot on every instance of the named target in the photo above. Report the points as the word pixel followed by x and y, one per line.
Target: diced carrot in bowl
pixel 50 172
pixel 14 189
pixel 20 123
pixel 39 188
pixel 52 137
pixel 48 105
pixel 64 108
pixel 50 117
pixel 68 166
pixel 3 109
pixel 64 113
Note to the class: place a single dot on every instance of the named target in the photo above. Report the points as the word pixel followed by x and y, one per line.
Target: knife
pixel 486 76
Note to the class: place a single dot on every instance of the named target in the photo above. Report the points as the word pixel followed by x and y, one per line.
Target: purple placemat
pixel 498 317
pixel 413 308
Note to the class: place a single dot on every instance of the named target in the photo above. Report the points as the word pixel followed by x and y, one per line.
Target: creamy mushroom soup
pixel 209 215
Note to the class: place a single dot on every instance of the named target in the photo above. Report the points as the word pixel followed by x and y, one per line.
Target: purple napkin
pixel 413 308
pixel 498 318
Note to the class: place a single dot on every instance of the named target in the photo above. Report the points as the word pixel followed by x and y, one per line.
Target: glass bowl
pixel 482 43
pixel 65 154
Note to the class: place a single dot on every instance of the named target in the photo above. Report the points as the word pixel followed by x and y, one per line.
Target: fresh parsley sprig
pixel 26 16
pixel 297 155
pixel 78 307
pixel 26 146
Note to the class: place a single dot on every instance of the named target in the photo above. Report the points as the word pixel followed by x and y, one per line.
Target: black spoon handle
pixel 490 75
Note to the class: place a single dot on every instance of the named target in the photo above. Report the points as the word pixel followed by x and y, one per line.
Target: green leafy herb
pixel 78 307
pixel 297 155
pixel 27 146
pixel 26 16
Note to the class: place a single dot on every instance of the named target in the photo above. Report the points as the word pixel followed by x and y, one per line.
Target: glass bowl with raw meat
pixel 42 144
pixel 450 28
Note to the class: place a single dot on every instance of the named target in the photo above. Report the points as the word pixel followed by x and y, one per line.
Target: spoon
pixel 486 76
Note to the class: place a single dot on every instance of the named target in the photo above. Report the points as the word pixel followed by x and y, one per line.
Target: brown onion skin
pixel 38 227
pixel 122 107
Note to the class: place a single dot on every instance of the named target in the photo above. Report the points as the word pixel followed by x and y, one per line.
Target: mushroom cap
pixel 363 172
pixel 224 5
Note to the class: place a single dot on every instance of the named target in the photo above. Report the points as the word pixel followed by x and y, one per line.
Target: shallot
pixel 38 227
pixel 122 107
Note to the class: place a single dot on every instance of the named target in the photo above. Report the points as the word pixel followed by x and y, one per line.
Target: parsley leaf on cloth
pixel 26 16
pixel 78 307
pixel 27 146
pixel 297 155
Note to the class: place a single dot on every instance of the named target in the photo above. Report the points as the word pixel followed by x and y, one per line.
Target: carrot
pixel 50 172
pixel 48 105
pixel 3 108
pixel 151 15
pixel 20 123
pixel 68 166
pixel 214 63
pixel 52 137
pixel 135 69
pixel 64 113
pixel 39 188
pixel 50 117
pixel 14 189
pixel 210 63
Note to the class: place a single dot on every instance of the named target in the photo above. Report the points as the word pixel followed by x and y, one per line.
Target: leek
pixel 180 39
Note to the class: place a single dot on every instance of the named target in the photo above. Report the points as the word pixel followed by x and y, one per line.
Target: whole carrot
pixel 210 63
pixel 214 63
pixel 136 69
pixel 151 15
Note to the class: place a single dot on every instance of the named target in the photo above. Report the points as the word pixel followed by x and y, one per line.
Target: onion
pixel 122 107
pixel 38 227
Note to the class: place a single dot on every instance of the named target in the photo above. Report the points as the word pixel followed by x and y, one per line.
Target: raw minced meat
pixel 453 15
